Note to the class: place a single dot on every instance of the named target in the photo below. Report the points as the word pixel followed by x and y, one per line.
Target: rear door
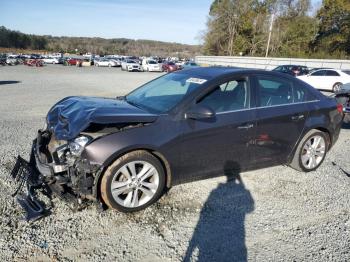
pixel 332 77
pixel 317 79
pixel 281 113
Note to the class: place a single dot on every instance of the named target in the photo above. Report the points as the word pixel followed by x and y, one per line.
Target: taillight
pixel 340 108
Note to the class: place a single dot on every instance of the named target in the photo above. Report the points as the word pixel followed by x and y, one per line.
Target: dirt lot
pixel 275 214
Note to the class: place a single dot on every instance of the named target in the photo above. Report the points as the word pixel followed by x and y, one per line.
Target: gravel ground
pixel 273 214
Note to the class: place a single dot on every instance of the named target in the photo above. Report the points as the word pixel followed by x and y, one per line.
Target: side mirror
pixel 198 112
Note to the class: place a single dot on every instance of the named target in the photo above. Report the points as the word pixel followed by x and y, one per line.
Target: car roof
pixel 293 65
pixel 217 71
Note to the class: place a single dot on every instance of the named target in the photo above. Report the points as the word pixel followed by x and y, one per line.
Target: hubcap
pixel 313 152
pixel 135 183
pixel 337 87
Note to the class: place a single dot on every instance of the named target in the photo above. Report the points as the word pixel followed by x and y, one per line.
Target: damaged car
pixel 343 97
pixel 125 152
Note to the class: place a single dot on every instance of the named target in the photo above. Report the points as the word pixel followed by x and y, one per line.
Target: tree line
pixel 241 27
pixel 14 39
pixel 95 45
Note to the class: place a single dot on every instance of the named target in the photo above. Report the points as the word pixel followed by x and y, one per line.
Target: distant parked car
pixel 11 60
pixel 2 59
pixel 130 65
pixel 169 67
pixel 72 61
pixel 86 62
pixel 294 70
pixel 343 97
pixel 151 66
pixel 190 64
pixel 34 62
pixel 105 62
pixel 327 79
pixel 52 60
pixel 117 61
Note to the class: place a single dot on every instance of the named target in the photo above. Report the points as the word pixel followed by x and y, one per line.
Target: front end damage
pixel 55 166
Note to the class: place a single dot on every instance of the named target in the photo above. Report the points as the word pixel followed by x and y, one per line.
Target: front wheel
pixel 133 182
pixel 311 151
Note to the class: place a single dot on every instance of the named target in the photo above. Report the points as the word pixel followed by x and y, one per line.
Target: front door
pixel 221 144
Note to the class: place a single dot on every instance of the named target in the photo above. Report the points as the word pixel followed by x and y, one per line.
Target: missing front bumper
pixel 74 184
pixel 29 182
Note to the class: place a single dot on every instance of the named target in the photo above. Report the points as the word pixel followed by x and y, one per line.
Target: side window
pixel 331 73
pixel 319 73
pixel 229 96
pixel 300 94
pixel 274 91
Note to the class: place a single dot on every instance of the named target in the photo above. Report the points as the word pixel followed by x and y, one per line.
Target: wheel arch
pixel 162 159
pixel 307 130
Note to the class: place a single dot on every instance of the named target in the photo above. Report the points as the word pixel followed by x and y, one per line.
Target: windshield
pixel 347 72
pixel 165 92
pixel 152 62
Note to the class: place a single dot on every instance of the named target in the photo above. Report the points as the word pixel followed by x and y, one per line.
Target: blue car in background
pixel 190 64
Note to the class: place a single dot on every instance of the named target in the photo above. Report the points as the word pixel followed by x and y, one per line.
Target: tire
pixel 319 152
pixel 119 174
pixel 337 87
pixel 346 119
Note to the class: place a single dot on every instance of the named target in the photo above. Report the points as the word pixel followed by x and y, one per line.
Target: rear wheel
pixel 337 87
pixel 346 119
pixel 133 182
pixel 311 151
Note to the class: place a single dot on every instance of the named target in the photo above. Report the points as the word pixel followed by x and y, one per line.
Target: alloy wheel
pixel 313 152
pixel 135 184
pixel 337 87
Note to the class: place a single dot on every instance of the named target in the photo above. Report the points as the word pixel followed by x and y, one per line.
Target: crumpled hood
pixel 72 115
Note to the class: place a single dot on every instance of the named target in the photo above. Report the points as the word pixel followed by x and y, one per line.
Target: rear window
pixel 276 91
pixel 319 73
pixel 331 73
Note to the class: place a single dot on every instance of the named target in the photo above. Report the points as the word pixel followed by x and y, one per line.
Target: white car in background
pixel 327 79
pixel 117 61
pixel 151 66
pixel 52 60
pixel 105 62
pixel 130 65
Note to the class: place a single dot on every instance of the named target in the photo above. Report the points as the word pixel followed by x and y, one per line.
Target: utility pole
pixel 270 32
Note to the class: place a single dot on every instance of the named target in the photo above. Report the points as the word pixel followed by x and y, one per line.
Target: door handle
pixel 297 117
pixel 246 126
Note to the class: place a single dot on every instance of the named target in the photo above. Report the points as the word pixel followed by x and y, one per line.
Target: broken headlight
pixel 78 144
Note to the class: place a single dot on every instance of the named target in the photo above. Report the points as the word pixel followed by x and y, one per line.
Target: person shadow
pixel 220 233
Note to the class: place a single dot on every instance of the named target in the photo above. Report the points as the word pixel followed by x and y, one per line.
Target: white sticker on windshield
pixel 196 80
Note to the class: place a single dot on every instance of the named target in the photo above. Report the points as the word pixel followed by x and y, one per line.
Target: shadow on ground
pixel 220 233
pixel 9 82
